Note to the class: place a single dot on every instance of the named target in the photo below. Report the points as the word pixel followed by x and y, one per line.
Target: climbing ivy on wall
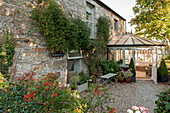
pixel 61 34
pixel 98 47
pixel 7 52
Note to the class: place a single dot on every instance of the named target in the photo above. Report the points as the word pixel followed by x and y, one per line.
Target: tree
pixel 132 66
pixel 152 19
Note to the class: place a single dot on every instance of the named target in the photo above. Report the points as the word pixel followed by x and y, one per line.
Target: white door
pixel 154 65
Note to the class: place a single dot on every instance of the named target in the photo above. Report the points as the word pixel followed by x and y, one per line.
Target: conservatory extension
pixel 145 53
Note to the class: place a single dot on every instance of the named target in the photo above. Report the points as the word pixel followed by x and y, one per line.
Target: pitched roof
pixel 132 40
pixel 107 7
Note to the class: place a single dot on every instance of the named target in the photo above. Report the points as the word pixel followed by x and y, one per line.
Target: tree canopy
pixel 152 18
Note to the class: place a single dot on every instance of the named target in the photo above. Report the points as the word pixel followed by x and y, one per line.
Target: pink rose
pixel 90 80
pixel 135 108
pixel 142 108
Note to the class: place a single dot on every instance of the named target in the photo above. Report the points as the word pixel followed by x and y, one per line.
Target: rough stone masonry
pixel 31 50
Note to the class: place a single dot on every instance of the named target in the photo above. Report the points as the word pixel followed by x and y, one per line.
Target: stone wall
pixel 77 9
pixel 31 50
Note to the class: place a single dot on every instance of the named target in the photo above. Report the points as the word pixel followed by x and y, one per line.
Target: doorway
pixel 143 64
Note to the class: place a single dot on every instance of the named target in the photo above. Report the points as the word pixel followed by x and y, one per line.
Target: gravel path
pixel 141 93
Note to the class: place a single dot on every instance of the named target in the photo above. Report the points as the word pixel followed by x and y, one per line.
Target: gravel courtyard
pixel 141 93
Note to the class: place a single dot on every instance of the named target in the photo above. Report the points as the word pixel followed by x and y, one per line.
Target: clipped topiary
pixel 163 71
pixel 132 65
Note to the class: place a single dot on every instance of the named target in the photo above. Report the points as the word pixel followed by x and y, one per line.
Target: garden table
pixel 107 78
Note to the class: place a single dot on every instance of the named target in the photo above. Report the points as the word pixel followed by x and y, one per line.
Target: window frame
pixel 77 57
pixel 92 19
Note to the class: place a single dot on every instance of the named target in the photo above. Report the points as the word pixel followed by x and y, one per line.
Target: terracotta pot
pixel 128 80
pixel 116 80
pixel 121 81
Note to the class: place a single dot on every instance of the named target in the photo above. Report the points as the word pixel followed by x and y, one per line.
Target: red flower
pixel 25 96
pixel 55 95
pixel 33 79
pixel 27 100
pixel 98 93
pixel 32 96
pixel 95 90
pixel 45 89
pixel 36 87
pixel 51 102
pixel 46 84
pixel 102 86
pixel 29 95
pixel 72 97
pixel 34 92
pixel 44 104
pixel 102 37
pixel 28 89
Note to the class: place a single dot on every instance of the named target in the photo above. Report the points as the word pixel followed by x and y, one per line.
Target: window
pixel 74 61
pixel 89 18
pixel 74 54
pixel 128 56
pixel 111 53
pixel 119 56
pixel 115 25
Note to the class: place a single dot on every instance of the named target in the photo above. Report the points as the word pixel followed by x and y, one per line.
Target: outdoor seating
pixel 107 78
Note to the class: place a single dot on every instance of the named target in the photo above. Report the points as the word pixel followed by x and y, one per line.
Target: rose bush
pixel 28 95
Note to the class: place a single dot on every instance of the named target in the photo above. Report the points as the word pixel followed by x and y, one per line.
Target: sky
pixel 124 9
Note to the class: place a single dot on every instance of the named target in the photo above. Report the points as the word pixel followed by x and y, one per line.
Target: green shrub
pixel 167 57
pixel 109 66
pixel 163 103
pixel 163 70
pixel 132 66
pixel 83 78
pixel 27 95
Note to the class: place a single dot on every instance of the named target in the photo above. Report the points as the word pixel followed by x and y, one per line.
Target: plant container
pixel 128 80
pixel 121 81
pixel 165 79
pixel 82 87
pixel 116 80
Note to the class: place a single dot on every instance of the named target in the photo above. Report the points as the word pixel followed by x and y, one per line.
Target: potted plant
pixel 116 78
pixel 74 80
pixel 83 83
pixel 128 75
pixel 163 71
pixel 132 66
pixel 120 77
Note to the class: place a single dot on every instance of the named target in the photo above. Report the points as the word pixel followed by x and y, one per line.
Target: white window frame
pixel 78 57
pixel 92 20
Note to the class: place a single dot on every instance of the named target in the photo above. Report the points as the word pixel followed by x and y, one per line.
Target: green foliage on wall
pixel 61 33
pixel 103 28
pixel 7 52
pixel 78 35
pixel 98 48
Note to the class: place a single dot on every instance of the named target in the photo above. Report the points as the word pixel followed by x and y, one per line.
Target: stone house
pixel 31 48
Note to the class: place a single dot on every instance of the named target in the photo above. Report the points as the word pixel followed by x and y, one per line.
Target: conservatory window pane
pixel 119 56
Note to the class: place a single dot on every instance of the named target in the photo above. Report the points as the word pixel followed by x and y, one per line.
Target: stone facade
pixel 31 50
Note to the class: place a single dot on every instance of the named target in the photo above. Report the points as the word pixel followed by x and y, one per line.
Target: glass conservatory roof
pixel 132 40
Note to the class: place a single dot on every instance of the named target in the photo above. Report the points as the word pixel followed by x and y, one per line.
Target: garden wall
pixel 31 50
